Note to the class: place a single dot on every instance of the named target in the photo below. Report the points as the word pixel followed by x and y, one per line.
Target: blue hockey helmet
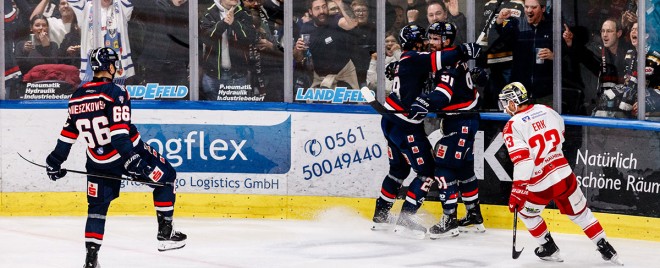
pixel 101 58
pixel 410 35
pixel 446 30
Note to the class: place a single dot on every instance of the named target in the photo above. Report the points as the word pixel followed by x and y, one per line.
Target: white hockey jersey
pixel 534 138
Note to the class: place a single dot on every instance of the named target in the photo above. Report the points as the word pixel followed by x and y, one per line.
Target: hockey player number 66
pixel 94 129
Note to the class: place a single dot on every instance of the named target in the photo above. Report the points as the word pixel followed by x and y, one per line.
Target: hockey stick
pixel 514 253
pixel 122 178
pixel 371 100
pixel 489 22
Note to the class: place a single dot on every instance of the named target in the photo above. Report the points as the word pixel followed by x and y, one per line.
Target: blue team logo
pixel 526 118
pixel 331 95
pixel 222 149
pixel 156 91
pixel 313 147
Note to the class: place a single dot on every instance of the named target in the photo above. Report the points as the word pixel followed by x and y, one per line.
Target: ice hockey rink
pixel 337 238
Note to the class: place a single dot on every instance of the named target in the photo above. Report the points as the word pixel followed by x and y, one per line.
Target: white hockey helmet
pixel 515 92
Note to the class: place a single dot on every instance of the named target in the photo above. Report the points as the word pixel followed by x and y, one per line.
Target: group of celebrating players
pixel 440 81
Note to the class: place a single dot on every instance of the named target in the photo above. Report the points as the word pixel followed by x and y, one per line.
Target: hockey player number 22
pixel 540 140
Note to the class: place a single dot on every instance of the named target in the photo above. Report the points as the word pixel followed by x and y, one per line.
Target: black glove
pixel 54 168
pixel 391 69
pixel 479 76
pixel 470 50
pixel 419 109
pixel 138 168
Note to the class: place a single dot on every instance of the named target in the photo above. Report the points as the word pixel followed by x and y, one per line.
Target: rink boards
pixel 288 161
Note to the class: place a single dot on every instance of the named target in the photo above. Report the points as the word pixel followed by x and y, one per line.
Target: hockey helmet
pixel 101 59
pixel 410 35
pixel 515 92
pixel 446 30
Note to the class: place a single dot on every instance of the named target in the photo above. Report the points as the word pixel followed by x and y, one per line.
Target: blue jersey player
pixel 407 143
pixel 453 153
pixel 100 113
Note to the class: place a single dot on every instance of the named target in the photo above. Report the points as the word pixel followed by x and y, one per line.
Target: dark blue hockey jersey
pixel 100 113
pixel 454 90
pixel 412 72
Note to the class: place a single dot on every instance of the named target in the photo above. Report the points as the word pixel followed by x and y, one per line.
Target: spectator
pixel 607 61
pixel 41 50
pixel 328 45
pixel 532 51
pixel 333 9
pixel 270 24
pixel 499 55
pixel 70 47
pixel 115 15
pixel 392 54
pixel 395 17
pixel 13 23
pixel 226 32
pixel 416 12
pixel 457 18
pixel 59 27
pixel 165 56
pixel 363 40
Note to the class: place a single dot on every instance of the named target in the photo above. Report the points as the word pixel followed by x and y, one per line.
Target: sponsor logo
pixel 156 91
pixel 156 175
pixel 411 138
pixel 313 147
pixel 222 148
pixel 458 155
pixel 442 150
pixel 464 130
pixel 336 95
pixel 526 118
pixel 92 189
pixel 420 161
pixel 461 142
pixel 415 150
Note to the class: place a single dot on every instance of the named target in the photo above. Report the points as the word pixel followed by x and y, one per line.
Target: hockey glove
pixel 628 99
pixel 479 76
pixel 390 70
pixel 518 196
pixel 138 168
pixel 54 168
pixel 419 109
pixel 470 50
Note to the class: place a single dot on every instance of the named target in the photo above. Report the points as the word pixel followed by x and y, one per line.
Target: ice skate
pixel 92 258
pixel 607 252
pixel 407 225
pixel 548 251
pixel 383 220
pixel 472 222
pixel 168 238
pixel 447 227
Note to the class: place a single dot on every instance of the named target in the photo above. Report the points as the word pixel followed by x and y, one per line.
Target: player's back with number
pixel 537 134
pixel 97 111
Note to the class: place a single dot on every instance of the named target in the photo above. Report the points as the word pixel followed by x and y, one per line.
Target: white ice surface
pixel 336 239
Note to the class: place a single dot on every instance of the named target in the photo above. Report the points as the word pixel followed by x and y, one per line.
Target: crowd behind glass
pixel 241 48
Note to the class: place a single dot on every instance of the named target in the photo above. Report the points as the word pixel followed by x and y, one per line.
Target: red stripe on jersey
pixel 519 155
pixel 94 235
pixel 93 84
pixel 552 166
pixel 135 137
pixel 394 105
pixel 119 126
pixel 538 230
pixel 12 15
pixel 593 230
pixel 102 157
pixel 92 96
pixel 448 89
pixel 470 194
pixel 411 195
pixel 387 194
pixel 434 66
pixel 69 134
pixel 453 196
pixel 163 204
